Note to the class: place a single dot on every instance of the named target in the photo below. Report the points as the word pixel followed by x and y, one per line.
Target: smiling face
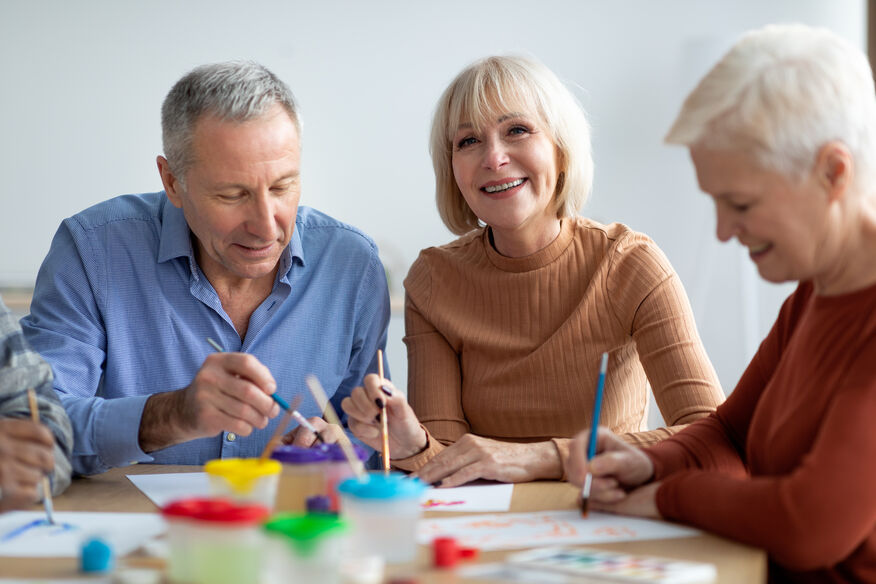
pixel 507 172
pixel 784 224
pixel 241 194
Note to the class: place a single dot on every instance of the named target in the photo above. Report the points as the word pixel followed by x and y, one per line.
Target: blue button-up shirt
pixel 121 311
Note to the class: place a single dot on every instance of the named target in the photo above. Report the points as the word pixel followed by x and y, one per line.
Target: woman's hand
pixel 406 437
pixel 641 502
pixel 474 457
pixel 616 469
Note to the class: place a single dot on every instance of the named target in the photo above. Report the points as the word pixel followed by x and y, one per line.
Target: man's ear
pixel 172 185
pixel 834 168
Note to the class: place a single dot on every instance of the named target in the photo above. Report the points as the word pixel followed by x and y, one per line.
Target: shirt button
pixel 231 437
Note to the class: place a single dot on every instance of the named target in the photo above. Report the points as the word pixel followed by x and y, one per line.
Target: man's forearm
pixel 160 426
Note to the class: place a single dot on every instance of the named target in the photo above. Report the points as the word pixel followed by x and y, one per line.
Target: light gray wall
pixel 83 83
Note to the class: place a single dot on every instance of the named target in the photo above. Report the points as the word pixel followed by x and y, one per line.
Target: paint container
pixel 338 469
pixel 306 548
pixel 215 541
pixel 303 476
pixel 383 511
pixel 247 480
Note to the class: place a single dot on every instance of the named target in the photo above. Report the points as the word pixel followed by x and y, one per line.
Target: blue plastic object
pixel 383 486
pixel 96 556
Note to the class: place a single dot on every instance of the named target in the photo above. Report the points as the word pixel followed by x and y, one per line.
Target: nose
pixel 262 221
pixel 726 225
pixel 495 154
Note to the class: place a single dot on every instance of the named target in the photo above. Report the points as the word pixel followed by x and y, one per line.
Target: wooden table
pixel 112 491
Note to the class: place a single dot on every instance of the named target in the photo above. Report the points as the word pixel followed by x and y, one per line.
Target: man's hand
pixel 475 457
pixel 301 436
pixel 230 393
pixel 26 456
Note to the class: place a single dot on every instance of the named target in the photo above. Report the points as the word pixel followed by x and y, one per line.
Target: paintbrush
pixel 291 411
pixel 594 425
pixel 278 433
pixel 384 422
pixel 47 489
pixel 332 417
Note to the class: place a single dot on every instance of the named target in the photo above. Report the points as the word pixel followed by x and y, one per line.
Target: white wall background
pixel 82 85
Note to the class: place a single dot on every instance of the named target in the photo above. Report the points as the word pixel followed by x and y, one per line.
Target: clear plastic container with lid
pixel 338 469
pixel 383 510
pixel 248 480
pixel 215 541
pixel 304 548
pixel 302 476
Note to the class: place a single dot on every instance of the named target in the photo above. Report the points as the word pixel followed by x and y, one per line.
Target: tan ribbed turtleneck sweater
pixel 508 348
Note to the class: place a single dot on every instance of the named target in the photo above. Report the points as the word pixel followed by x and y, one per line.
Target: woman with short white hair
pixel 781 133
pixel 505 325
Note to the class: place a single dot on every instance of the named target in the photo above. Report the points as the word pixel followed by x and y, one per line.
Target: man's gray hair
pixel 234 91
pixel 781 93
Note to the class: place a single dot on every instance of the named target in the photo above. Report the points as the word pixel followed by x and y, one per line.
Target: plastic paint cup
pixel 383 511
pixel 214 541
pixel 303 476
pixel 338 469
pixel 306 548
pixel 248 480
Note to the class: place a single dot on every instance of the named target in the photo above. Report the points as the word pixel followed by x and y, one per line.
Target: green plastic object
pixel 305 532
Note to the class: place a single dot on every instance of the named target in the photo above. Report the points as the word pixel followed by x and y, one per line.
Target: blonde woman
pixel 505 325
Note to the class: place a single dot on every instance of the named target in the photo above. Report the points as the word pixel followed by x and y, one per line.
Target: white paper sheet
pixel 164 488
pixel 477 498
pixel 524 530
pixel 22 534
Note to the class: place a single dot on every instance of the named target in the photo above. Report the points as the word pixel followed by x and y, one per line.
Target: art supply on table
pixel 47 488
pixel 28 534
pixel 331 416
pixel 304 548
pixel 523 530
pixel 246 480
pixel 446 552
pixel 383 510
pixel 96 556
pixel 384 422
pixel 338 469
pixel 594 427
pixel 215 541
pixel 608 566
pixel 303 475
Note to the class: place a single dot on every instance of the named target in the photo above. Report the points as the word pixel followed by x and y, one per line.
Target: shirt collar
pixel 176 241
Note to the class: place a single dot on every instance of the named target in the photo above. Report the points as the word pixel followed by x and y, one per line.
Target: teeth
pixel 504 186
pixel 759 248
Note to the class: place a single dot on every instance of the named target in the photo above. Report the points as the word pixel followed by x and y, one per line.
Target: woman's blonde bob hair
pixel 483 92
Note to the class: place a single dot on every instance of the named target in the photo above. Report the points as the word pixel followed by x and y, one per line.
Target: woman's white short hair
pixel 781 93
pixel 498 85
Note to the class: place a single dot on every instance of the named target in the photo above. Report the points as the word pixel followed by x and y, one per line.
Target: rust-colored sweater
pixel 788 462
pixel 508 348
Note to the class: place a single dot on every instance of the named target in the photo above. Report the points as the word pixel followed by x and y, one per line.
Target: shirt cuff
pixel 417 461
pixel 117 431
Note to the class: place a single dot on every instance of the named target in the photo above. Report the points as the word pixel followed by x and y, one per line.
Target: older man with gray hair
pixel 133 286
